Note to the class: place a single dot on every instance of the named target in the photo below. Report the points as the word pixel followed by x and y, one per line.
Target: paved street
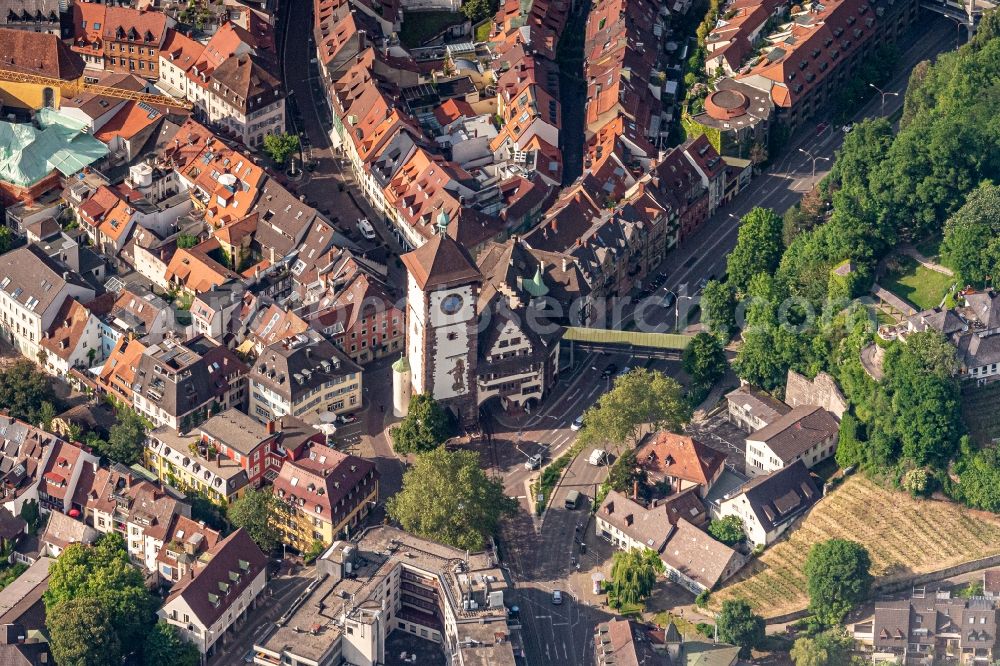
pixel 279 594
pixel 541 550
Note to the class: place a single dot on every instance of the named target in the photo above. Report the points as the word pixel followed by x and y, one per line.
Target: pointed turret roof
pixel 441 262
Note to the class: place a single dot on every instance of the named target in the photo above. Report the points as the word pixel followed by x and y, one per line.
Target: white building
pixel 807 433
pixel 32 292
pixel 73 341
pixel 769 505
pixel 205 606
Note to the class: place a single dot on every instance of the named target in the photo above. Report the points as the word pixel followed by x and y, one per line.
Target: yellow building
pixel 37 69
pixel 324 495
pixel 187 464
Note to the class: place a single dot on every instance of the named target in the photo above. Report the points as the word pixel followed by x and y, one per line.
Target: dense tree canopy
pixel 447 497
pixel 82 633
pixel 103 577
pixel 704 360
pixel 832 647
pixel 425 427
pixel 126 438
pixel 23 390
pixel 971 245
pixel 740 626
pixel 166 647
pixel 839 577
pixel 254 511
pixel 640 398
pixel 728 530
pixel 281 146
pixel 758 248
pixel 718 304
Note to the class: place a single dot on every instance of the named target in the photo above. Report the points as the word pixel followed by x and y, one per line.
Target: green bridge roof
pixel 636 339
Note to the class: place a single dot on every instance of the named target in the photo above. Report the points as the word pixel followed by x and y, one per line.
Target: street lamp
pixel 814 159
pixel 884 95
pixel 677 306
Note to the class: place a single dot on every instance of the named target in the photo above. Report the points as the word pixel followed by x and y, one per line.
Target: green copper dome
pixel 536 285
pixel 442 221
pixel 401 366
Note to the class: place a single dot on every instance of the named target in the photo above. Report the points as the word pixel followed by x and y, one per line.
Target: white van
pixel 598 457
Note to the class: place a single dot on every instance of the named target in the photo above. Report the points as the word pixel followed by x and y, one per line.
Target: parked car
pixel 533 462
pixel 668 299
pixel 598 457
pixel 366 229
pixel 557 597
pixel 346 418
pixel 609 370
pixel 577 423
pixel 848 128
pixel 624 371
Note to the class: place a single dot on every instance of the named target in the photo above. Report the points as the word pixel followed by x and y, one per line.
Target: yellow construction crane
pixel 73 87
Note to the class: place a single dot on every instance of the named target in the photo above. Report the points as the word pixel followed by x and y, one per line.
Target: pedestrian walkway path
pixel 914 253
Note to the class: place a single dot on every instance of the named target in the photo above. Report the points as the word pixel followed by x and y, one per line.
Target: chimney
pixel 635 489
pixel 565 264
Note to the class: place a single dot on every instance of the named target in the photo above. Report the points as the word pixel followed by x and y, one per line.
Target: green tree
pixel 477 10
pixel 281 146
pixel 832 647
pixel 46 412
pixel 633 575
pixel 82 633
pixel 704 359
pixel 166 647
pixel 185 241
pixel 851 447
pixel 758 248
pixel 728 530
pixel 23 390
pixel 104 575
pixel 740 626
pixel 425 427
pixel 971 245
pixel 126 438
pixel 839 577
pixel 6 238
pixel 639 399
pixel 625 473
pixel 718 308
pixel 446 496
pixel 979 479
pixel 255 512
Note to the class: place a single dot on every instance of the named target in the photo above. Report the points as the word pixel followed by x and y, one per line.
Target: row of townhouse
pixel 480 146
pixel 213 581
pixel 231 80
pixel 802 63
pixel 618 228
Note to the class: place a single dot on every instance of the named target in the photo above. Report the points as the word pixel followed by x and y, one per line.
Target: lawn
pixel 918 285
pixel 418 27
pixel 483 31
pixel 903 535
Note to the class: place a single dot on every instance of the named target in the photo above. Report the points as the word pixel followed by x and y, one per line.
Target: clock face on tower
pixel 451 304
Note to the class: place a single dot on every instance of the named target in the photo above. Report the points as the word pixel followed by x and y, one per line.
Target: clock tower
pixel 442 323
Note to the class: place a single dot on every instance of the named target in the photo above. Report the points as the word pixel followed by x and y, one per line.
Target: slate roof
pixel 235 562
pixel 295 367
pixel 797 431
pixel 697 555
pixel 236 430
pixel 761 405
pixel 651 527
pixel 780 496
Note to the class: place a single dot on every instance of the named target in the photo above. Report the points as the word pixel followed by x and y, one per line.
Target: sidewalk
pixel 914 253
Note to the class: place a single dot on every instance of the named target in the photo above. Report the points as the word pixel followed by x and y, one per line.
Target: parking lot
pixel 721 435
